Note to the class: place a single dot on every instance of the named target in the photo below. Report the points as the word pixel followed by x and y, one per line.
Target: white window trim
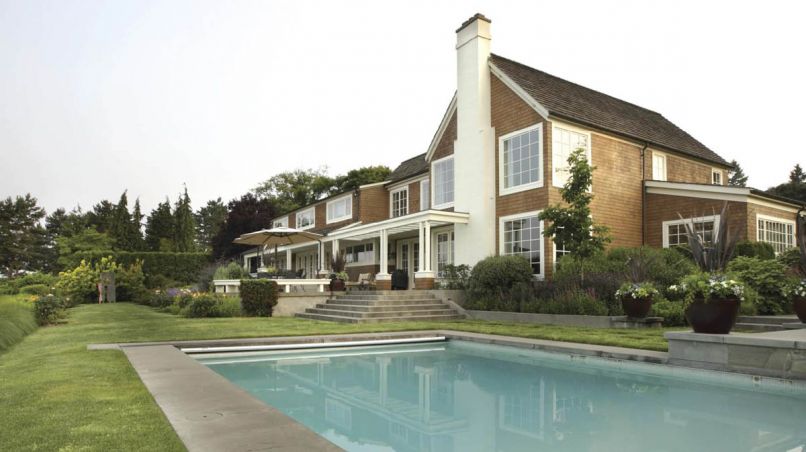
pixel 283 221
pixel 793 223
pixel 564 125
pixel 347 216
pixel 423 199
pixel 446 205
pixel 392 202
pixel 374 260
pixel 721 176
pixel 502 189
pixel 518 216
pixel 666 224
pixel 665 165
pixel 302 212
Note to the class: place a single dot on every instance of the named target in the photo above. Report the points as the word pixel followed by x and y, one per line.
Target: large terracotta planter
pixel 636 308
pixel 799 304
pixel 717 316
pixel 336 285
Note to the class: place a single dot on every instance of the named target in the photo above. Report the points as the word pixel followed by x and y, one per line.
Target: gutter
pixel 643 193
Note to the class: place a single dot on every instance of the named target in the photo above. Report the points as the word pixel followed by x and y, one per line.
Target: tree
pixel 136 231
pixel 23 241
pixel 184 225
pixel 572 225
pixel 101 216
pixel 121 228
pixel 795 188
pixel 160 228
pixel 796 176
pixel 293 189
pixel 86 240
pixel 209 220
pixel 247 214
pixel 358 177
pixel 736 177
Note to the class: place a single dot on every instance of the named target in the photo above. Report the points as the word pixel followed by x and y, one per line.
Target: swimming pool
pixel 463 396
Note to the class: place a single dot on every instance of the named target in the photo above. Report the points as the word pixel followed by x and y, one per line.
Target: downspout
pixel 643 194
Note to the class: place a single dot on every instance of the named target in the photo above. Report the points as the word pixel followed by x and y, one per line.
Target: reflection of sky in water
pixel 462 396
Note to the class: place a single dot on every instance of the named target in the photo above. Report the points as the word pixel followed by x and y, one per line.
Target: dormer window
pixel 716 176
pixel 280 223
pixel 340 209
pixel 306 219
pixel 399 200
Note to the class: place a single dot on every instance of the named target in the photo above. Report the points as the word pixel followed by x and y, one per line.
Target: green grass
pixel 16 320
pixel 57 395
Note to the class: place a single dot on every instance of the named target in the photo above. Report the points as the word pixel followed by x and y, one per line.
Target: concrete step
pixel 383 308
pixel 344 319
pixel 760 327
pixel 365 315
pixel 767 319
pixel 407 295
pixel 388 302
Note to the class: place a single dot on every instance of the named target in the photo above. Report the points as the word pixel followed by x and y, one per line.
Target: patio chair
pixel 364 282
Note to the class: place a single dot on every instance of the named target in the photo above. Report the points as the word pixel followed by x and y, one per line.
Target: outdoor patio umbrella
pixel 278 236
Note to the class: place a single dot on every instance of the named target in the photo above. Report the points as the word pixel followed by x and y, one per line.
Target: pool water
pixel 462 396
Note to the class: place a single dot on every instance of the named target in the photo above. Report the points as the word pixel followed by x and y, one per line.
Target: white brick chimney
pixel 474 150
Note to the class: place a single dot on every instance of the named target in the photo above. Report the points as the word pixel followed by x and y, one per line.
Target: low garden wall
pixel 292 303
pixel 589 321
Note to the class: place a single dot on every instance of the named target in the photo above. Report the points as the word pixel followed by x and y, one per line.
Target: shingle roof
pixel 411 167
pixel 569 100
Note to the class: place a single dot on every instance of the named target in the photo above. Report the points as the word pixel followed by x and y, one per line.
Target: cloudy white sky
pixel 101 96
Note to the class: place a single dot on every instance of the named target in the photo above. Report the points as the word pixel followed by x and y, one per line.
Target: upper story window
pixel 306 219
pixel 340 209
pixel 522 235
pixel 442 174
pixel 280 223
pixel 674 232
pixel 658 166
pixel 519 160
pixel 425 194
pixel 777 232
pixel 399 202
pixel 716 176
pixel 565 140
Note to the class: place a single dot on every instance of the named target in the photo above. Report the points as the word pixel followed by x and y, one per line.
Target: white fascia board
pixel 720 192
pixel 520 92
pixel 425 215
pixel 405 182
pixel 441 130
pixel 376 184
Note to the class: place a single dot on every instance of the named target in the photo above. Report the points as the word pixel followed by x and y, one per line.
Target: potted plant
pixel 712 301
pixel 636 298
pixel 337 276
pixel 712 298
pixel 798 295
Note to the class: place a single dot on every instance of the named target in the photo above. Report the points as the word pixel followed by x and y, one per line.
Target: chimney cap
pixel 477 16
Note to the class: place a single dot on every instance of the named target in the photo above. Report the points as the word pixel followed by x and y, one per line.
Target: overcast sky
pixel 101 96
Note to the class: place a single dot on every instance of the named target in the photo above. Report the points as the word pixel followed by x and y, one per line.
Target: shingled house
pixel 498 158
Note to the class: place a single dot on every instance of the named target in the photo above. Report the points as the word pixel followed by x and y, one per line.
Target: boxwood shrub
pixel 258 297
pixel 766 277
pixel 48 309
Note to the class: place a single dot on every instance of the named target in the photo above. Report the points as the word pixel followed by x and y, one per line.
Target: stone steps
pixel 764 323
pixel 383 306
pixel 758 327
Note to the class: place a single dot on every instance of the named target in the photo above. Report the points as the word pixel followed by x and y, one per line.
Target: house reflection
pixel 442 401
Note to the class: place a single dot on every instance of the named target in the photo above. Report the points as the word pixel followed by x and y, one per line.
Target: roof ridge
pixel 576 84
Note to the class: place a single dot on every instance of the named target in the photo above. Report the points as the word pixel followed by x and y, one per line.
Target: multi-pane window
pixel 658 166
pixel 340 209
pixel 716 177
pixel 442 172
pixel 523 237
pixel 425 194
pixel 565 141
pixel 779 234
pixel 675 231
pixel 400 202
pixel 360 254
pixel 280 223
pixel 306 219
pixel 520 159
pixel 445 251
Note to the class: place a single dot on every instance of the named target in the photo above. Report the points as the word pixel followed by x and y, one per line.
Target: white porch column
pixel 289 261
pixel 421 248
pixel 427 247
pixel 335 248
pixel 383 281
pixel 321 251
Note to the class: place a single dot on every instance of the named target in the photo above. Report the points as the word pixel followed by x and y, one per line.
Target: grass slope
pixel 16 320
pixel 57 395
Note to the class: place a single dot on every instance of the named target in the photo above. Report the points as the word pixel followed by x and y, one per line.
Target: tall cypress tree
pixel 736 176
pixel 184 225
pixel 120 229
pixel 136 228
pixel 160 228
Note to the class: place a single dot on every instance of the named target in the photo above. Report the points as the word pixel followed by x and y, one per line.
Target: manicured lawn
pixel 16 320
pixel 57 395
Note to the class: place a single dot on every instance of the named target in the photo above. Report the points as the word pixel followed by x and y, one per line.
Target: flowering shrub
pixel 80 283
pixel 707 286
pixel 48 309
pixel 637 291
pixel 797 290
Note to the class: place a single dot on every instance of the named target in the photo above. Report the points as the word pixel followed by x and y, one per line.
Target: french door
pixel 408 258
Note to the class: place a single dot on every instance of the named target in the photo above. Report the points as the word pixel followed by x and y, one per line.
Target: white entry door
pixel 408 258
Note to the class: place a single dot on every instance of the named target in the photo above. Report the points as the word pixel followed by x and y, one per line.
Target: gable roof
pixel 568 100
pixel 411 167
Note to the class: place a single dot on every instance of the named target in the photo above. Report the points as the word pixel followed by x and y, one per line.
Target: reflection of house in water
pixel 472 398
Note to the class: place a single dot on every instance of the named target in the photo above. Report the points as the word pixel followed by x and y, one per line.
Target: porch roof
pixel 397 225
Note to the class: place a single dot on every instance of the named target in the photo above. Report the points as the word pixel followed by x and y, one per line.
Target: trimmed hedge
pixel 761 250
pixel 258 297
pixel 181 267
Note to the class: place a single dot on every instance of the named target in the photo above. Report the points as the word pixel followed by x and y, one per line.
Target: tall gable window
pixel 674 232
pixel 658 166
pixel 340 209
pixel 565 140
pixel 777 232
pixel 522 235
pixel 519 160
pixel 442 174
pixel 716 176
pixel 280 223
pixel 306 219
pixel 399 200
